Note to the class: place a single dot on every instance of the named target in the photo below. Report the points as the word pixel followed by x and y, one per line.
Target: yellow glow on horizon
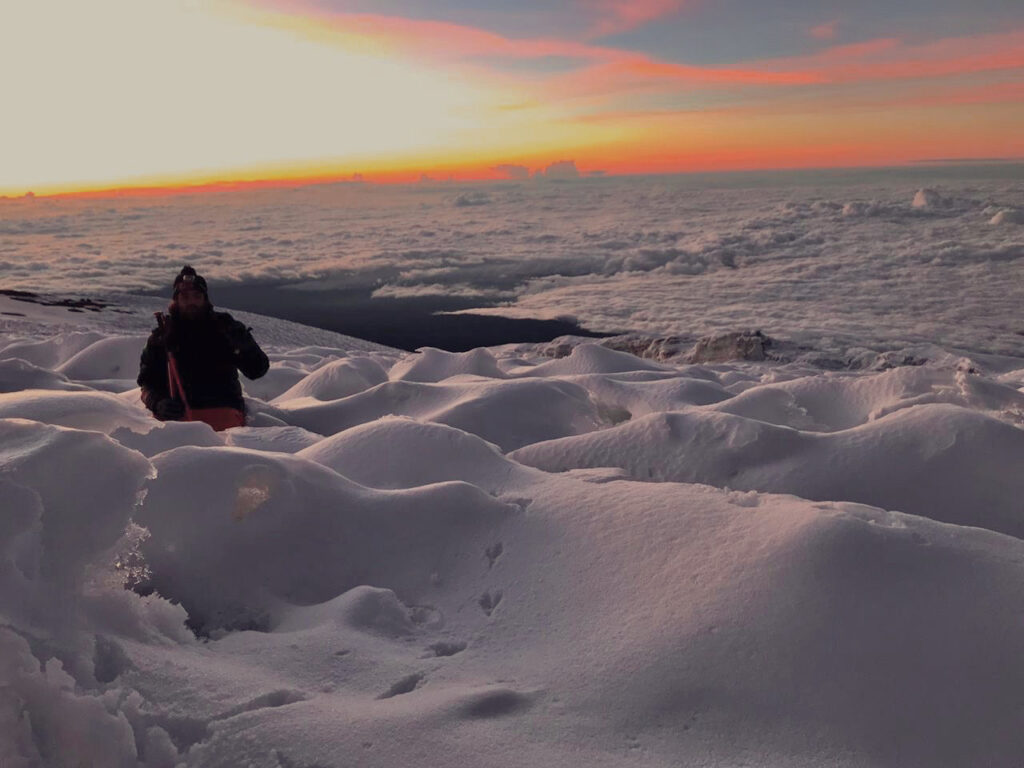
pixel 107 92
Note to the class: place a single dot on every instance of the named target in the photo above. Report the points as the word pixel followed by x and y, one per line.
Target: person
pixel 189 367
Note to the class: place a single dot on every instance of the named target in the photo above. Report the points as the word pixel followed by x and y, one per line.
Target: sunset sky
pixel 113 93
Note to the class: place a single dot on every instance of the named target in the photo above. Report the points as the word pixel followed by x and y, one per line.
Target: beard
pixel 191 312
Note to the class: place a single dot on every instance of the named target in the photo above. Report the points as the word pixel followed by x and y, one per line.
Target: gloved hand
pixel 236 334
pixel 169 409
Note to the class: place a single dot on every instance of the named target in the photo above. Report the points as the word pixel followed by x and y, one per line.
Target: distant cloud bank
pixel 508 171
pixel 563 169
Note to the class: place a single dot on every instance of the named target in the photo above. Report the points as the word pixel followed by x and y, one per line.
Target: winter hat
pixel 188 276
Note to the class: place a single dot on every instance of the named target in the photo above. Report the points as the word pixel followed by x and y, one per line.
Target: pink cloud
pixel 891 59
pixel 992 93
pixel 448 42
pixel 608 70
pixel 1011 92
pixel 631 73
pixel 825 31
pixel 616 16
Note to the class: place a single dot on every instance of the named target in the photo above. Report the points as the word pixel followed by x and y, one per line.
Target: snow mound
pixel 165 435
pixel 364 608
pixel 114 357
pixel 594 358
pixel 236 532
pixel 98 411
pixel 47 721
pixel 337 379
pixel 825 403
pixel 278 378
pixel 51 352
pixel 938 461
pixel 509 414
pixel 432 365
pixel 47 531
pixel 17 374
pixel 621 397
pixel 278 439
pixel 859 606
pixel 396 452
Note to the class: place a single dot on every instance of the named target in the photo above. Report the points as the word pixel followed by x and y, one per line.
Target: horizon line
pixel 409 178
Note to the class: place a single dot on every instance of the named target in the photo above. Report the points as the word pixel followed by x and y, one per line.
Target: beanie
pixel 188 276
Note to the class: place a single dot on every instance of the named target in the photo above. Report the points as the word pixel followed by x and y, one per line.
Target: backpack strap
pixel 177 389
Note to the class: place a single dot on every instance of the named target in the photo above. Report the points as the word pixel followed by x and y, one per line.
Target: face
pixel 191 303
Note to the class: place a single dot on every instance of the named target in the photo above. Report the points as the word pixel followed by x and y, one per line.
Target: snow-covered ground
pixel 551 555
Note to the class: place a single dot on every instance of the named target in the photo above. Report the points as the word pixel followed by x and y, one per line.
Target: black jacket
pixel 209 352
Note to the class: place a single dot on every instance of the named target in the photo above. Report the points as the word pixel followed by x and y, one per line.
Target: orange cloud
pixel 747 140
pixel 993 93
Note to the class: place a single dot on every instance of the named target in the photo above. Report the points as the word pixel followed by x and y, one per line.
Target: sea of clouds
pixel 833 261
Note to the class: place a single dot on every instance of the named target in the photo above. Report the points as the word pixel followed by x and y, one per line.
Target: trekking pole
pixel 177 389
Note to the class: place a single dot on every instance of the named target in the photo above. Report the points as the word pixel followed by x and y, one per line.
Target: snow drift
pixel 498 558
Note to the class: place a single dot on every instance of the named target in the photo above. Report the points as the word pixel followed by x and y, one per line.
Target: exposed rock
pixel 737 345
pixel 559 348
pixel 651 348
pixel 888 360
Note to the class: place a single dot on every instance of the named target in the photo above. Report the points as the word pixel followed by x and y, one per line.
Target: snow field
pixel 496 558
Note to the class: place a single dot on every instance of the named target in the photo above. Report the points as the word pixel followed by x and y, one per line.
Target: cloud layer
pixel 877 259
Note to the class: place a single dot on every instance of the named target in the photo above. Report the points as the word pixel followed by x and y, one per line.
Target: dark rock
pixel 650 348
pixel 738 345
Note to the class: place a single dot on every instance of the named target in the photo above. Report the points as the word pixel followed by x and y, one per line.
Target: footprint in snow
pixel 446 648
pixel 489 601
pixel 407 684
pixel 492 553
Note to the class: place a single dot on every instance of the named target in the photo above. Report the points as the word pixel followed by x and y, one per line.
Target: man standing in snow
pixel 189 368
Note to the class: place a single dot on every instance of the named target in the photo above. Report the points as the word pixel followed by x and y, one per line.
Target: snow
pixel 337 379
pixel 110 358
pixel 436 364
pixel 954 465
pixel 555 554
pixel 99 411
pixel 17 374
pixel 508 413
pixel 388 453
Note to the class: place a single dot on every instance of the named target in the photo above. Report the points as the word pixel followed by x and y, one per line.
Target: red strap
pixel 172 380
pixel 177 390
